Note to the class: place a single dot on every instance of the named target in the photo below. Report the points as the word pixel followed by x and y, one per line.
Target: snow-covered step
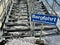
pixel 24 13
pixel 23 17
pixel 16 29
pixel 21 27
pixel 23 21
pixel 46 32
pixel 22 4
pixel 19 42
pixel 24 10
pixel 16 10
pixel 18 14
pixel 14 17
pixel 16 24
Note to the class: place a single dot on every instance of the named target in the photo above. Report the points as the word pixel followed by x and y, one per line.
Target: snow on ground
pixel 21 41
pixel 53 40
pixel 50 40
pixel 30 39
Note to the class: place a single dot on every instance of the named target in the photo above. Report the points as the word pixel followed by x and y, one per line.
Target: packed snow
pixel 21 41
pixel 52 40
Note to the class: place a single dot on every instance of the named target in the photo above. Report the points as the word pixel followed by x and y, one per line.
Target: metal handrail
pixel 57 3
pixel 51 7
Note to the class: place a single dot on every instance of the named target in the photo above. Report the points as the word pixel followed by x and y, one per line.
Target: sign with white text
pixel 46 19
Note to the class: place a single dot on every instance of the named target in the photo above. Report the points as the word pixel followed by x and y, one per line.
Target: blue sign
pixel 46 19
